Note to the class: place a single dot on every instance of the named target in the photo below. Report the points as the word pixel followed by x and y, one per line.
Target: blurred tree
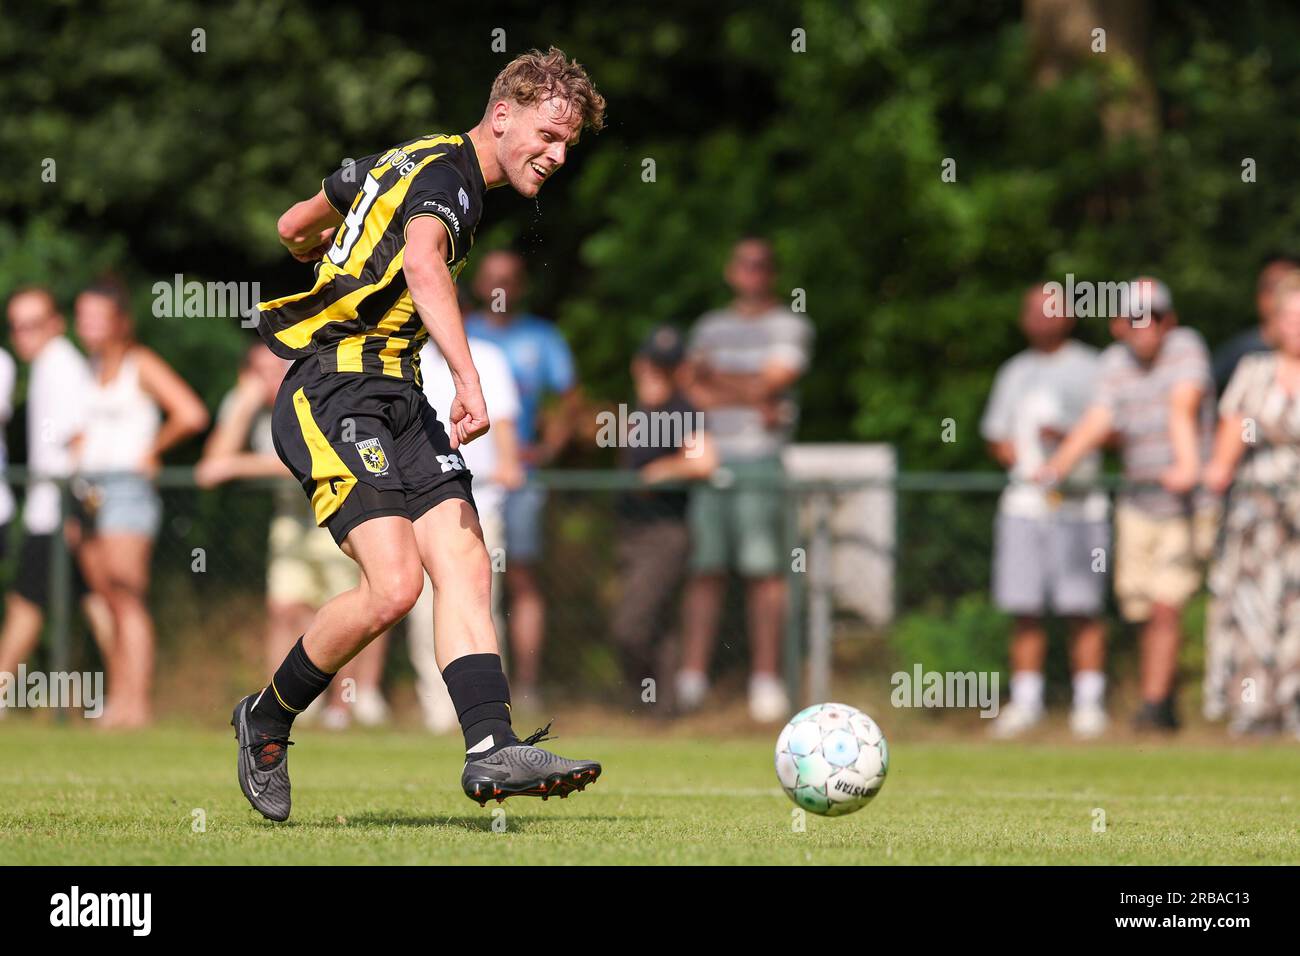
pixel 137 142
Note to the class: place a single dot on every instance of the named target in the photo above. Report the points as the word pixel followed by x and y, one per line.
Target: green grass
pixel 75 796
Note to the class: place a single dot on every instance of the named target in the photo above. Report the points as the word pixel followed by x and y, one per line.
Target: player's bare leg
pixel 391 578
pixel 497 763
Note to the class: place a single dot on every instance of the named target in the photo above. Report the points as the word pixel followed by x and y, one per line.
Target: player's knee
pixel 464 568
pixel 393 595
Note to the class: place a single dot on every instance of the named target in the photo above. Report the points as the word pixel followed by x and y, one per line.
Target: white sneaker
pixel 1014 721
pixel 370 709
pixel 438 722
pixel 312 714
pixel 768 702
pixel 1088 722
pixel 335 718
pixel 692 688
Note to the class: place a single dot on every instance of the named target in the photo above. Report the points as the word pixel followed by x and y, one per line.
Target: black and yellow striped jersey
pixel 359 317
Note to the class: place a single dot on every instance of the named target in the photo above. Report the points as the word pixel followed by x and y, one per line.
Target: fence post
pixel 820 573
pixel 60 593
pixel 794 617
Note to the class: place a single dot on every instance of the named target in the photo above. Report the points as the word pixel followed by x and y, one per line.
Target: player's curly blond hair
pixel 535 77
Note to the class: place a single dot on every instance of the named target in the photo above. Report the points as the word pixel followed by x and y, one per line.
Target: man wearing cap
pixel 653 541
pixel 1156 393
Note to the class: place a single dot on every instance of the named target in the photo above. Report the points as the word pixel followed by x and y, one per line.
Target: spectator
pixel 543 367
pixel 1156 392
pixel 8 378
pixel 1253 629
pixel 1045 543
pixel 1262 337
pixel 57 391
pixel 743 362
pixel 305 567
pixel 653 539
pixel 137 409
pixel 494 461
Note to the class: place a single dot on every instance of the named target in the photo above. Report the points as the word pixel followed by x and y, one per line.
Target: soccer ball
pixel 831 759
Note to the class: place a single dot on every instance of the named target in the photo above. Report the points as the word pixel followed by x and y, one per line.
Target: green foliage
pixel 170 160
pixel 970 637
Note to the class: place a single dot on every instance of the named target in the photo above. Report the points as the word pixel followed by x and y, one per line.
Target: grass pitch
pixel 74 796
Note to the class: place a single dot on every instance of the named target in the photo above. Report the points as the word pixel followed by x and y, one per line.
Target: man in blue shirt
pixel 543 368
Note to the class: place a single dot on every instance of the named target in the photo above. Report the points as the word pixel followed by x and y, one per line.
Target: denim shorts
pixel 122 504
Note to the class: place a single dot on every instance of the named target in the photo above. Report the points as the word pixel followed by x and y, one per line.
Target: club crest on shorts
pixel 372 456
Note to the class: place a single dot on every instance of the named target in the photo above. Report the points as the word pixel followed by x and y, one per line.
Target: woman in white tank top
pixel 139 407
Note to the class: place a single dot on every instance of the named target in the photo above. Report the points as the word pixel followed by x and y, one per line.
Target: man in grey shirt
pixel 1047 543
pixel 1155 391
pixel 743 363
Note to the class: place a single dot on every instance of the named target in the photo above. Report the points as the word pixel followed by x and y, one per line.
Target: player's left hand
pixel 314 247
pixel 469 417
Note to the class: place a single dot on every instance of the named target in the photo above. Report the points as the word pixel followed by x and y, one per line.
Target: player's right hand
pixel 469 417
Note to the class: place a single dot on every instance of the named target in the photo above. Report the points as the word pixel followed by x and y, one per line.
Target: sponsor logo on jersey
pixel 372 456
pixel 447 212
pixel 464 199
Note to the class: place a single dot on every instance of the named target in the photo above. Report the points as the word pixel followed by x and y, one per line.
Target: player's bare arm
pixel 434 295
pixel 307 228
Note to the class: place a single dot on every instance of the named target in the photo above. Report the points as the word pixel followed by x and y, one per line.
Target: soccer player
pixel 351 422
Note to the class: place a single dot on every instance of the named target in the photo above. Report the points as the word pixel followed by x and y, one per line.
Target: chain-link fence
pixel 879 573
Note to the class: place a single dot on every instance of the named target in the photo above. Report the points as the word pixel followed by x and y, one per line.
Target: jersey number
pixel 352 230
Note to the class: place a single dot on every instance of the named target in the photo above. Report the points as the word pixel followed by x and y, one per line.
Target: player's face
pixel 536 142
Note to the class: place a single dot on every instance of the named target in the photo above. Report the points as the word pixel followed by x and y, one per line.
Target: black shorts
pixel 33 578
pixel 363 446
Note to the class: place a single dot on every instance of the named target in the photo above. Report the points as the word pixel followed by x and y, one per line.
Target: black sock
pixel 481 695
pixel 295 685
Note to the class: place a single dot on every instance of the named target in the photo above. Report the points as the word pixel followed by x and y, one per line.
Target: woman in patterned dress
pixel 1253 631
